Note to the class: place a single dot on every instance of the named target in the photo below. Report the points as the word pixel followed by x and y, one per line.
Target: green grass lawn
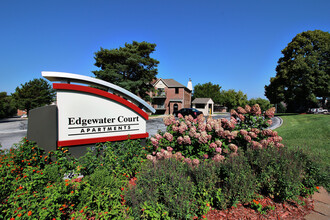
pixel 309 132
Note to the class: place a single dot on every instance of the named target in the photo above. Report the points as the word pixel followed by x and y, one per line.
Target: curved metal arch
pixel 76 78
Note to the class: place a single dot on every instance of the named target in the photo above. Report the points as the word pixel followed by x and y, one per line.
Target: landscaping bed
pixel 237 168
pixel 286 210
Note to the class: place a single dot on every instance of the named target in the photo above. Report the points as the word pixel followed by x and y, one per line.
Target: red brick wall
pixel 170 94
pixel 183 94
pixel 187 99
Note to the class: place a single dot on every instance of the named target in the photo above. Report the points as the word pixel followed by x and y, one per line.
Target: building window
pixel 200 105
pixel 176 90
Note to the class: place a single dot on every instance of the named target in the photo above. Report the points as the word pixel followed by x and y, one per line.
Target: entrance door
pixel 210 109
pixel 175 107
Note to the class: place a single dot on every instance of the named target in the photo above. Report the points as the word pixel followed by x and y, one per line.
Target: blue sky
pixel 235 44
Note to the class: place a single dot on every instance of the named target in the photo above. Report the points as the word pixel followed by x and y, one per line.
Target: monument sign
pixel 88 112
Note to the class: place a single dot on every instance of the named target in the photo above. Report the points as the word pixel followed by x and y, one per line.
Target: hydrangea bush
pixel 192 140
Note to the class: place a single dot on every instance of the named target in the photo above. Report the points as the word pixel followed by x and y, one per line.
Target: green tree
pixel 208 90
pixel 7 106
pixel 263 103
pixel 303 73
pixel 33 94
pixel 280 108
pixel 130 67
pixel 232 99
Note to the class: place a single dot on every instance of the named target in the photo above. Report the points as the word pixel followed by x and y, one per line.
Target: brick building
pixel 170 96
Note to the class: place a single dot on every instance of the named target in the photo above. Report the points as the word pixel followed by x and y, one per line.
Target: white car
pixel 318 110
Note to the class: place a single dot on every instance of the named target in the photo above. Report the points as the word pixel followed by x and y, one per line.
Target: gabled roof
pixel 201 100
pixel 171 83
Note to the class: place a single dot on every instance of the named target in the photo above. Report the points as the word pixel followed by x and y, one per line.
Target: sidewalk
pixel 321 206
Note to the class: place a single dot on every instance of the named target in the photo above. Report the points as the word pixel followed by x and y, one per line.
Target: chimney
pixel 189 85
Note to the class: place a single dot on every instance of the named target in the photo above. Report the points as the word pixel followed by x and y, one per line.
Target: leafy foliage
pixel 208 90
pixel 263 103
pixel 232 99
pixel 285 174
pixel 33 94
pixel 122 158
pixel 303 73
pixel 167 189
pixel 130 67
pixel 7 105
pixel 27 174
pixel 238 182
pixel 163 188
pixel 229 98
pixel 280 108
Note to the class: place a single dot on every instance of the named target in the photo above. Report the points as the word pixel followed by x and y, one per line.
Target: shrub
pixel 237 182
pixel 64 161
pixel 206 182
pixel 123 158
pixel 52 173
pixel 284 174
pixel 164 186
pixel 314 174
pixel 103 195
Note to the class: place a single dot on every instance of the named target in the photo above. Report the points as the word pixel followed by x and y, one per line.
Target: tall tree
pixel 232 99
pixel 130 67
pixel 7 105
pixel 33 94
pixel 208 90
pixel 303 73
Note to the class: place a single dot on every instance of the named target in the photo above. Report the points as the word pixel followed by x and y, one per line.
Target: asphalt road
pixel 12 130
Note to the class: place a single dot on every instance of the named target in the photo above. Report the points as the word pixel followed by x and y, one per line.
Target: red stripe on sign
pixel 64 86
pixel 99 140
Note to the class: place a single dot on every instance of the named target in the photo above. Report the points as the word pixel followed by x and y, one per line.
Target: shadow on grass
pixel 285 114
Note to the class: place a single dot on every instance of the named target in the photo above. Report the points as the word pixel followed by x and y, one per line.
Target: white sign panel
pixel 87 115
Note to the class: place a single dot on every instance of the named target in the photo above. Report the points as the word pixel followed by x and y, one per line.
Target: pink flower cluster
pixel 168 136
pixel 241 110
pixel 154 141
pixel 167 154
pixel 247 109
pixel 256 110
pixel 227 124
pixel 268 138
pixel 204 137
pixel 233 147
pixel 270 112
pixel 229 135
pixel 168 120
pixel 218 158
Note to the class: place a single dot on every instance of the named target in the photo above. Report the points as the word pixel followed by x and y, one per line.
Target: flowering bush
pixel 197 139
pixel 252 117
pixel 32 184
pixel 32 187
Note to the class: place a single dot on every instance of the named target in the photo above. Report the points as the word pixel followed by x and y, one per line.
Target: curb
pixel 277 125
